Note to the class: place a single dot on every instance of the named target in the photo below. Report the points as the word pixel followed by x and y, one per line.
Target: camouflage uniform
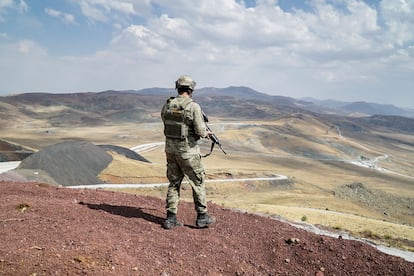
pixel 183 156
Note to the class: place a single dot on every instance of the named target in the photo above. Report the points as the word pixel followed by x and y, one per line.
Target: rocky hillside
pixel 94 109
pixel 12 152
pixel 60 231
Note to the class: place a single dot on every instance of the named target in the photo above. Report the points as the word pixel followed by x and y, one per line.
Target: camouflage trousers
pixel 191 166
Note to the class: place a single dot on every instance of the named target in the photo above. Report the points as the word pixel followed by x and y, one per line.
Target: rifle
pixel 214 139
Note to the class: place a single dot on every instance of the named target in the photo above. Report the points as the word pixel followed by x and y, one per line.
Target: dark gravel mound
pixel 70 163
pixel 59 231
pixel 125 152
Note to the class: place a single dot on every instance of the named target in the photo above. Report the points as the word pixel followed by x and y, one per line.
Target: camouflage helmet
pixel 185 81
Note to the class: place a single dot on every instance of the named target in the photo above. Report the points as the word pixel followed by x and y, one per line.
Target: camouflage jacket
pixel 193 118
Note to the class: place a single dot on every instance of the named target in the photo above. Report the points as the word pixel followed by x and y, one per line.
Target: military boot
pixel 204 220
pixel 171 221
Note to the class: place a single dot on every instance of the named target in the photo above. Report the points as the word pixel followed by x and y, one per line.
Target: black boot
pixel 171 221
pixel 204 220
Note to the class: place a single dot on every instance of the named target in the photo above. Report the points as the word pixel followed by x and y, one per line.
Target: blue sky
pixel 351 50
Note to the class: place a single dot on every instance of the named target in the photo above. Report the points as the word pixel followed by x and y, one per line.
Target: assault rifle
pixel 214 139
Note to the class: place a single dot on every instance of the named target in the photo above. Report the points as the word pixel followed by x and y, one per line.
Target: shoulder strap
pixel 183 105
pixel 170 99
pixel 186 102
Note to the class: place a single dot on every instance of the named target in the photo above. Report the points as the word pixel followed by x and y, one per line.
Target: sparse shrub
pixel 387 237
pixel 304 218
pixel 369 234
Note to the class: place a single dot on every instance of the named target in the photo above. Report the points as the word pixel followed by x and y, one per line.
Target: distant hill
pixel 390 122
pixel 377 109
pixel 81 109
pixel 319 106
pixel 241 103
pixel 363 108
pixel 240 92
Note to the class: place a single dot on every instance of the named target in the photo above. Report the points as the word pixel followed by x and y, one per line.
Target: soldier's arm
pixel 198 121
pixel 164 108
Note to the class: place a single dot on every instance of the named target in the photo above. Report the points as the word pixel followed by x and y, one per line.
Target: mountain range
pixel 87 108
pixel 363 108
pixel 359 108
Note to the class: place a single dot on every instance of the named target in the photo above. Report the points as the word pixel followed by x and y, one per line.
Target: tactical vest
pixel 174 119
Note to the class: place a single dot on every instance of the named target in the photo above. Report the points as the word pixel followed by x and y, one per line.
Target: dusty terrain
pixel 348 173
pixel 47 230
pixel 258 149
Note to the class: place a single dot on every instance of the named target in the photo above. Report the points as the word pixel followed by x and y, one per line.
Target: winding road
pixel 369 163
pixel 409 256
pixel 154 185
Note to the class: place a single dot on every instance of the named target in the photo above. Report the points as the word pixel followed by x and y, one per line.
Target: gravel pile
pixel 125 152
pixel 70 163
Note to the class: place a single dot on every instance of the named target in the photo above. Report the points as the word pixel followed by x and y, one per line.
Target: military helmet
pixel 185 81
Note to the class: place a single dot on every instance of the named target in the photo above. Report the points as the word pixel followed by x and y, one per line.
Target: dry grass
pixel 260 149
pixel 125 170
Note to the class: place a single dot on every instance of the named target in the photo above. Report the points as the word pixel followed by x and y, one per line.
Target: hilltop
pixel 96 109
pixel 53 230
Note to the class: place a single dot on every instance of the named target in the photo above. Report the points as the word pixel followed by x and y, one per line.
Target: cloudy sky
pixel 352 50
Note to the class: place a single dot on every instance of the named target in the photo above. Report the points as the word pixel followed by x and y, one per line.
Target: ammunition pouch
pixel 174 120
pixel 173 129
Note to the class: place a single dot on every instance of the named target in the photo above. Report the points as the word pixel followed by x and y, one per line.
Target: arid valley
pixel 349 173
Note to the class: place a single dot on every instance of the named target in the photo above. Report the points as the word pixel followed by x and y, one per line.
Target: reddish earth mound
pixel 49 230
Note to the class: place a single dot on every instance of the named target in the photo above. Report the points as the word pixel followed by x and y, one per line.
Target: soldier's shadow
pixel 125 211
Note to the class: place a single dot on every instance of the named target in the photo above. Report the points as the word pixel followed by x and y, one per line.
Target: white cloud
pixel 22 6
pixel 336 46
pixel 265 31
pixel 328 33
pixel 345 48
pixel 121 6
pixel 29 47
pixel 399 18
pixel 6 5
pixel 138 40
pixel 93 13
pixel 113 10
pixel 65 17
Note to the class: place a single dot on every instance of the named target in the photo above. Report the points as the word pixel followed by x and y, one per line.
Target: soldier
pixel 183 127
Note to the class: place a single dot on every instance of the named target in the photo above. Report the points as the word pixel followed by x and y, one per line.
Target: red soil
pixel 49 230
